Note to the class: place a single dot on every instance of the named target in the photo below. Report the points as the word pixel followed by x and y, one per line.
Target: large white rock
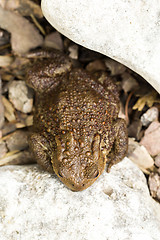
pixel 36 205
pixel 127 31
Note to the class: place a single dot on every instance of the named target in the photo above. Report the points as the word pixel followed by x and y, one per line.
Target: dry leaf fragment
pixel 16 157
pixel 37 24
pixel 8 110
pixel 5 61
pixel 24 36
pixel 8 157
pixel 148 99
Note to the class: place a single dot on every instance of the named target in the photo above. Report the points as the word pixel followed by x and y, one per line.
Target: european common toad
pixel 76 125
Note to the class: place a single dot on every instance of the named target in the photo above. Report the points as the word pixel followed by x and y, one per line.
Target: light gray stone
pixel 21 96
pixel 36 205
pixel 127 31
pixel 24 35
pixel 149 116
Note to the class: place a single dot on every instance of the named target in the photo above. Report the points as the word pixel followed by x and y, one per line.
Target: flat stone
pixel 142 158
pixel 127 31
pixel 17 140
pixel 36 205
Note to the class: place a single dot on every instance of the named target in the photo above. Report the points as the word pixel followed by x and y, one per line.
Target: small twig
pixel 10 156
pixel 37 24
pixel 5 46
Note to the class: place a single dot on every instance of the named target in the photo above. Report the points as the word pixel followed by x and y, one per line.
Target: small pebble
pixel 154 185
pixel 157 160
pixel 129 83
pixel 21 96
pixel 149 116
pixel 151 139
pixel 17 140
pixel 54 40
pixel 73 49
pixel 114 67
pixel 97 65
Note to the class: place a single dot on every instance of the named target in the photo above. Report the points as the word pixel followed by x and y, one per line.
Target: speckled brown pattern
pixel 76 125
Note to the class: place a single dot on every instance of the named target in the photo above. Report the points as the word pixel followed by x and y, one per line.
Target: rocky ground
pixel 121 200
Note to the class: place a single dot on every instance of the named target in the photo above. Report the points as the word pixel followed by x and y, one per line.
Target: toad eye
pixel 96 175
pixel 60 175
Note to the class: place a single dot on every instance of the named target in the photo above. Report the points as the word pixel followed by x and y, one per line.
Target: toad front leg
pixel 47 74
pixel 120 143
pixel 40 149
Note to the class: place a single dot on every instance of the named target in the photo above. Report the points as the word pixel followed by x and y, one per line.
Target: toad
pixel 76 129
